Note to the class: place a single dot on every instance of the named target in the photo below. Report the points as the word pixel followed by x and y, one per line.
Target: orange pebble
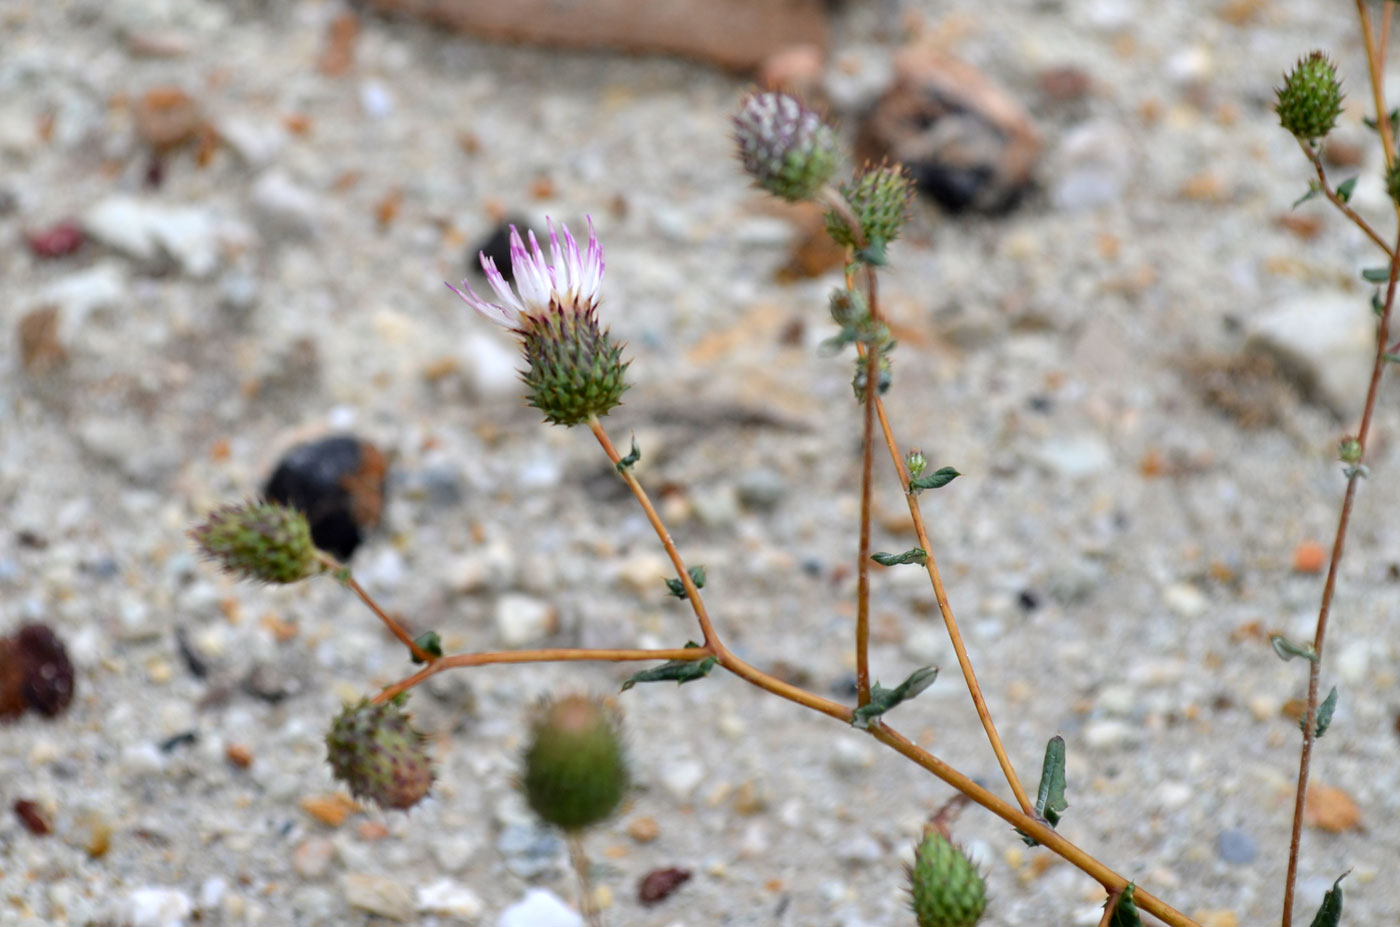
pixel 1309 557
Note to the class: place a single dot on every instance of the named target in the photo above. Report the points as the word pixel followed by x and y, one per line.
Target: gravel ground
pixel 1122 539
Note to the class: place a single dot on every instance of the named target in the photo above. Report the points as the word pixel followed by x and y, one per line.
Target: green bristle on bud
pixel 264 541
pixel 575 765
pixel 879 199
pixel 576 369
pixel 916 462
pixel 1310 99
pixel 375 751
pixel 784 146
pixel 945 888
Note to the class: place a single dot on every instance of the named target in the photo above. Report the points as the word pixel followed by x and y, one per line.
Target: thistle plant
pixel 574 770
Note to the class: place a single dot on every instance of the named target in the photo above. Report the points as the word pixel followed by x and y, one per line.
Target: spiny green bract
pixel 376 752
pixel 1310 99
pixel 784 146
pixel 945 888
pixel 259 540
pixel 576 370
pixel 575 766
pixel 880 198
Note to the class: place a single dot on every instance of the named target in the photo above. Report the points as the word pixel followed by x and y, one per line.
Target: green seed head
pixel 880 198
pixel 576 369
pixel 945 888
pixel 265 541
pixel 376 752
pixel 784 146
pixel 1310 99
pixel 575 765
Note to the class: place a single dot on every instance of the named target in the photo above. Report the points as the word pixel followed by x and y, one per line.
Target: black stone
pixel 319 478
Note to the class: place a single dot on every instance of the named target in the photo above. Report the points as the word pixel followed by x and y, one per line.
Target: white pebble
pixel 377 894
pixel 523 620
pixel 539 908
pixel 681 777
pixel 158 907
pixel 849 755
pixel 1185 600
pixel 449 899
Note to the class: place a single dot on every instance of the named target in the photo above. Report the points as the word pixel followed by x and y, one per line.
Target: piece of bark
pixel 736 35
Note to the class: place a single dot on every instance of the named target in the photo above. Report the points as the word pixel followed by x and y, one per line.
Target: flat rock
pixel 378 894
pixel 146 231
pixel 1325 343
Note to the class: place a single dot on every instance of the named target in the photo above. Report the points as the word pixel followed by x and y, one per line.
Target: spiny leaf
pixel 917 555
pixel 882 699
pixel 677 588
pixel 1287 650
pixel 429 643
pixel 1330 913
pixel 630 461
pixel 679 671
pixel 938 478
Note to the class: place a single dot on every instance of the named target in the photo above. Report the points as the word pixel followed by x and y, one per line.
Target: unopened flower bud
pixel 376 752
pixel 575 766
pixel 784 146
pixel 265 541
pixel 576 369
pixel 945 888
pixel 916 462
pixel 1349 450
pixel 1310 99
pixel 862 371
pixel 848 307
pixel 879 199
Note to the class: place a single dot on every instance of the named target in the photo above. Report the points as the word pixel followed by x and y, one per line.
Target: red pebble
pixel 657 885
pixel 32 818
pixel 57 240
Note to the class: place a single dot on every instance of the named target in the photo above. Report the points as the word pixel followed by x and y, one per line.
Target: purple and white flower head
pixel 576 372
pixel 570 279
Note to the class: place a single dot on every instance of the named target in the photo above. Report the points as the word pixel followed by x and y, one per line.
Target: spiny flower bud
pixel 1349 450
pixel 575 765
pixel 862 370
pixel 576 369
pixel 945 888
pixel 880 199
pixel 265 541
pixel 1310 99
pixel 848 307
pixel 784 146
pixel 376 752
pixel 916 462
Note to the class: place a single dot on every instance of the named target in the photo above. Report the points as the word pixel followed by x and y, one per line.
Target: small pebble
pixel 539 908
pixel 158 907
pixel 643 829
pixel 850 756
pixel 1106 734
pixel 312 857
pixel 446 898
pixel 680 778
pixel 522 620
pixel 1185 600
pixel 1236 846
pixel 377 894
pixel 659 884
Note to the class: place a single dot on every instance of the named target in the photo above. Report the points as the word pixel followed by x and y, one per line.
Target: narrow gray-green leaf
pixel 935 480
pixel 1344 189
pixel 1376 275
pixel 1287 650
pixel 677 671
pixel 1126 913
pixel 1324 713
pixel 630 461
pixel 917 555
pixel 882 699
pixel 1313 190
pixel 1330 913
pixel 1050 798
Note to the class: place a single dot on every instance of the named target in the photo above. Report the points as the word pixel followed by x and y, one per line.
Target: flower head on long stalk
pixel 575 368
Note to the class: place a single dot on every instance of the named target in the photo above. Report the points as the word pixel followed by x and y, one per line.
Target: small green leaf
pixel 1376 275
pixel 429 643
pixel 882 699
pixel 1126 913
pixel 1392 358
pixel 917 555
pixel 1377 304
pixel 1324 714
pixel 1050 798
pixel 1330 913
pixel 873 253
pixel 630 461
pixel 1287 650
pixel 681 671
pixel 1344 189
pixel 935 480
pixel 677 588
pixel 1313 190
